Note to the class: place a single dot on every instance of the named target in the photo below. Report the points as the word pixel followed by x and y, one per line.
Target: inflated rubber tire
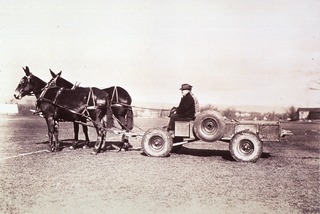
pixel 209 126
pixel 245 147
pixel 156 143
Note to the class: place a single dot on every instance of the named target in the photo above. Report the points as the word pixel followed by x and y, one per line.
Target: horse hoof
pixel 85 147
pixel 72 148
pixel 94 153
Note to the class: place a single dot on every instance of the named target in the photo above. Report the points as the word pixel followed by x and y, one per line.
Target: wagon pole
pixel 126 105
pixel 127 132
pixel 88 118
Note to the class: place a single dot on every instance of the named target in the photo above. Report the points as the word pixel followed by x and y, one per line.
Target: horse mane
pixel 76 85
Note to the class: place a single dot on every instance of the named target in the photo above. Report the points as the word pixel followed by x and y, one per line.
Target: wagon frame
pixel 245 138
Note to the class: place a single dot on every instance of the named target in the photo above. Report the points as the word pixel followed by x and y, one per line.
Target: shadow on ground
pixel 110 145
pixel 226 155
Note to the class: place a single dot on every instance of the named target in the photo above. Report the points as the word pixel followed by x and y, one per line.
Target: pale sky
pixel 258 52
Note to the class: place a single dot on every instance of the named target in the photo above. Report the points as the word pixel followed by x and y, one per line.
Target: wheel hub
pixel 246 147
pixel 156 142
pixel 210 125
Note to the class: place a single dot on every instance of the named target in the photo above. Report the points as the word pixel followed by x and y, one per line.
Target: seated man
pixel 186 108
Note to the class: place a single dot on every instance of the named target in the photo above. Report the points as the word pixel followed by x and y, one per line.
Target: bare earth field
pixel 202 178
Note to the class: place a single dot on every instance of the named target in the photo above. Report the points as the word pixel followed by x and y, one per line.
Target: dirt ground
pixel 202 178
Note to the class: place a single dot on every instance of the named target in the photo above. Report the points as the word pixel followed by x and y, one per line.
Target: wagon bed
pixel 266 130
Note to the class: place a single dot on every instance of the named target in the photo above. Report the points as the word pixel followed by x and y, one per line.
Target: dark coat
pixel 186 107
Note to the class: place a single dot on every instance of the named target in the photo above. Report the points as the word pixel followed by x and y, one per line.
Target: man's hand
pixel 172 111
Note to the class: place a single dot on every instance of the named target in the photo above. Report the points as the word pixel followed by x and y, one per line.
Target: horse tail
pixel 129 118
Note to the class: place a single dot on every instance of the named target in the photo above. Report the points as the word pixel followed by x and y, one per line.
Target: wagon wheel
pixel 245 147
pixel 156 142
pixel 209 126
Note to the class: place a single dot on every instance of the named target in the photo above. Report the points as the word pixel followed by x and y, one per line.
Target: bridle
pixel 32 92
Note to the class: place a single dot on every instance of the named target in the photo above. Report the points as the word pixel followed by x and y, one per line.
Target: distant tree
pixel 230 113
pixel 272 116
pixel 292 113
pixel 255 116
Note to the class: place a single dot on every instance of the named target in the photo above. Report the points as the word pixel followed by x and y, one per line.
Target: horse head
pixel 54 81
pixel 24 87
pixel 28 85
pixel 61 82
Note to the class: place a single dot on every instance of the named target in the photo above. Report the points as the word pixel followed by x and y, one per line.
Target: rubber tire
pixel 245 147
pixel 209 126
pixel 156 143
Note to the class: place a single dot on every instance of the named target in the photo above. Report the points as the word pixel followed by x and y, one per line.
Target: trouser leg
pixel 173 117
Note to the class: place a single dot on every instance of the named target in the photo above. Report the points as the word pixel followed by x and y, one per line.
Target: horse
pixel 61 104
pixel 120 105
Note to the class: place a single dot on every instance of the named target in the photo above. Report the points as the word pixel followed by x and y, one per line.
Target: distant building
pixel 308 113
pixel 8 109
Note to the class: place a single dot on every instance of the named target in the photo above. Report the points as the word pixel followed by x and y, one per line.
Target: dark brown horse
pixel 61 104
pixel 120 105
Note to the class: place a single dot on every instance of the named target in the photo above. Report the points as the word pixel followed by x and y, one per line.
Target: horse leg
pixel 129 118
pixel 103 121
pixel 125 116
pixel 50 124
pixel 100 140
pixel 120 114
pixel 85 131
pixel 56 134
pixel 76 134
pixel 123 124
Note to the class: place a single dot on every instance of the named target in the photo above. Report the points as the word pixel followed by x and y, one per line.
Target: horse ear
pixel 26 70
pixel 59 74
pixel 52 73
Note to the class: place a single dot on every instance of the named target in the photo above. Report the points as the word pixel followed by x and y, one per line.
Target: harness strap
pixel 90 96
pixel 57 94
pixel 43 92
pixel 115 94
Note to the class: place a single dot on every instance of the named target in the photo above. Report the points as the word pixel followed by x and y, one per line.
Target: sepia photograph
pixel 160 107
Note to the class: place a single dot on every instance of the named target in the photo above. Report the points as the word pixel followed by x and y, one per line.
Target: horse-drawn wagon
pixel 245 138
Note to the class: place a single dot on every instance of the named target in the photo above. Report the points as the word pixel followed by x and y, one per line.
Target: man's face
pixel 184 92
